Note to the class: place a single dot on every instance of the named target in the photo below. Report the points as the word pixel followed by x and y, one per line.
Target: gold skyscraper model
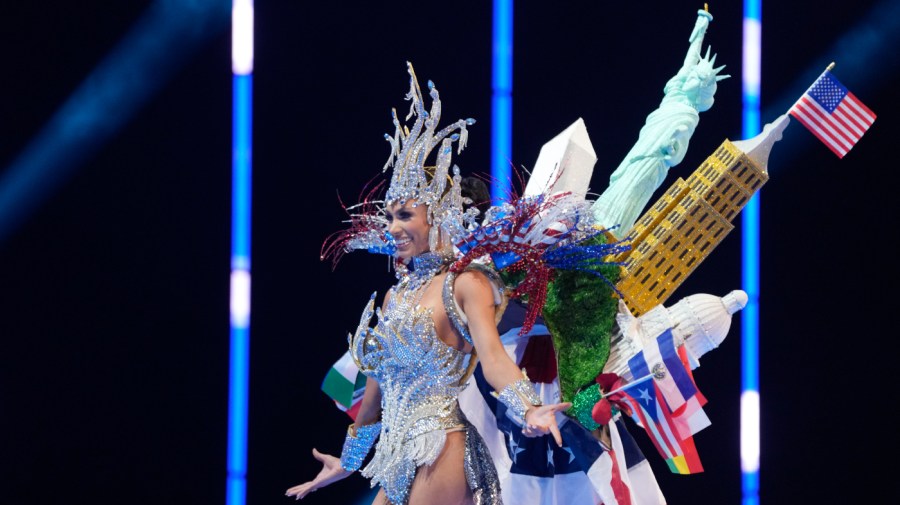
pixel 686 224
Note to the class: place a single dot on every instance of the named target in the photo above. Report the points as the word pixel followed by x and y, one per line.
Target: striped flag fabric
pixel 669 408
pixel 535 470
pixel 833 114
pixel 675 384
pixel 345 384
pixel 674 381
pixel 679 452
pixel 690 418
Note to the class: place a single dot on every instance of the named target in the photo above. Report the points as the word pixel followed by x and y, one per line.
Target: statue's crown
pixel 706 70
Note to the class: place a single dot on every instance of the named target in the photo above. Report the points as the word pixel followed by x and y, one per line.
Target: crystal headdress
pixel 412 179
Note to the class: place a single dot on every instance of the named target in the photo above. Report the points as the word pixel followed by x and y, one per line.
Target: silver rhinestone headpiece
pixel 410 150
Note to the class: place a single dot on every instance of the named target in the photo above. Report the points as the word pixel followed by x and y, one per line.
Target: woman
pixel 430 325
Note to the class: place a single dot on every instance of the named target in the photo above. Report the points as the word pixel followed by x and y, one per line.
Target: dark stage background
pixel 114 295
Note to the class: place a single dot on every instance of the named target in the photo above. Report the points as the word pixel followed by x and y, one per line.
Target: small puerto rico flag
pixel 833 114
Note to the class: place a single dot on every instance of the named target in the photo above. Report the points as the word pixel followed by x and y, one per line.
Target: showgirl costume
pixel 420 379
pixel 552 248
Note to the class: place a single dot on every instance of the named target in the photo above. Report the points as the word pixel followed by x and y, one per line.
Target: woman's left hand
pixel 542 420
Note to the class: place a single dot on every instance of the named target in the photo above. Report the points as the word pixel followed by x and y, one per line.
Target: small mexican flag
pixel 345 384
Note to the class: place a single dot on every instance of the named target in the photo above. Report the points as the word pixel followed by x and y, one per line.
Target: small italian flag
pixel 345 384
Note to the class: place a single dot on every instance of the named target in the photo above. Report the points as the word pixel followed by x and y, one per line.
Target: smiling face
pixel 408 224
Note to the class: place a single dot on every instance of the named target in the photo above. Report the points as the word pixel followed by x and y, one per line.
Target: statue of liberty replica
pixel 663 140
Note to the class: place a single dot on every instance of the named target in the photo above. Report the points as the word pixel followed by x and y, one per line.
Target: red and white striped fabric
pixel 833 114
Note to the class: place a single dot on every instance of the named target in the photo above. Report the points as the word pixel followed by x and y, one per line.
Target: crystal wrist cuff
pixel 518 397
pixel 357 447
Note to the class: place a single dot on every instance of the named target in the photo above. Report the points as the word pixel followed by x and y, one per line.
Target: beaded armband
pixel 518 397
pixel 357 447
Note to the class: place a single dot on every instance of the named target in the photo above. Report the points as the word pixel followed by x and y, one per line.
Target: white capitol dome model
pixel 700 322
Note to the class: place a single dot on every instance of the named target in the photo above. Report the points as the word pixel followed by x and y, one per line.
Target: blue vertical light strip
pixel 242 155
pixel 750 404
pixel 501 99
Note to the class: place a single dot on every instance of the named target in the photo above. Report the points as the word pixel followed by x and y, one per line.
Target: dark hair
pixel 476 189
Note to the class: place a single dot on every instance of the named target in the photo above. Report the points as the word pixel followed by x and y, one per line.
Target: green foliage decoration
pixel 580 313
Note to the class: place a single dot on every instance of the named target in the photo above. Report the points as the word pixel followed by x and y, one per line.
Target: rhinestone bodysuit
pixel 420 379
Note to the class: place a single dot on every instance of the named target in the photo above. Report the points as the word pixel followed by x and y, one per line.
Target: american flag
pixel 833 114
pixel 535 470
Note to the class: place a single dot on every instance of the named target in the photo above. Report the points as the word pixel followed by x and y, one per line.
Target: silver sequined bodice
pixel 419 377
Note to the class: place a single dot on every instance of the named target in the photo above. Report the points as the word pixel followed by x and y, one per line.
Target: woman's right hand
pixel 331 472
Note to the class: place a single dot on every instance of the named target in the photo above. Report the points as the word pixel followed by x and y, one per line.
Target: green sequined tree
pixel 580 313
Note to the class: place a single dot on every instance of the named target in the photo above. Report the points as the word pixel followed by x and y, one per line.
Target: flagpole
pixel 626 386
